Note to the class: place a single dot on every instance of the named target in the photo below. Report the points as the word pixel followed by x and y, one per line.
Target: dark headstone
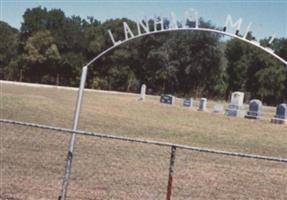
pixel 281 111
pixel 187 102
pixel 281 114
pixel 167 99
pixel 255 109
pixel 232 110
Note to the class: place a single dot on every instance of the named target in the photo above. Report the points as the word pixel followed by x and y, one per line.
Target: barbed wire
pixel 151 142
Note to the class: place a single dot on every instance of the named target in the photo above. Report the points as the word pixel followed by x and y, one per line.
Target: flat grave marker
pixel 167 99
pixel 187 102
pixel 218 108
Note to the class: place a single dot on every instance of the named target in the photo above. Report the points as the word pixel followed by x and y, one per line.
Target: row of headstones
pixel 188 102
pixel 235 107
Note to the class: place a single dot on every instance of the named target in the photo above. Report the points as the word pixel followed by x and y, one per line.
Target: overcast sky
pixel 267 17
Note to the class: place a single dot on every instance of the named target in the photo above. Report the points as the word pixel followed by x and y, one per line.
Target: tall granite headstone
pixel 202 104
pixel 143 92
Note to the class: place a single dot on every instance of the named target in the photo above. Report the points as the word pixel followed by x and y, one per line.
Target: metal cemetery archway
pixel 190 29
pixel 116 44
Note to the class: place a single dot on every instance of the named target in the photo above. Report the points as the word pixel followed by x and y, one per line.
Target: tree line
pixel 51 48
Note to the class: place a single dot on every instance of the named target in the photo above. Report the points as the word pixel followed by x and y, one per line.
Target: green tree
pixel 265 77
pixel 9 42
pixel 52 48
pixel 256 72
pixel 41 55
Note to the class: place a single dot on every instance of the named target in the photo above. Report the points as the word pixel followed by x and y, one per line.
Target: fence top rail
pixel 143 141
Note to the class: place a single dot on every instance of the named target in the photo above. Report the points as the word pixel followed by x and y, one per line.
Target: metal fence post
pixel 171 170
pixel 68 166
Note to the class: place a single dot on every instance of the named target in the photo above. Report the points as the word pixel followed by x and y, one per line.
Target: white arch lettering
pixel 192 15
pixel 128 31
pixel 173 22
pixel 236 24
pixel 254 43
pixel 113 39
pixel 271 39
pixel 247 30
pixel 158 21
pixel 144 26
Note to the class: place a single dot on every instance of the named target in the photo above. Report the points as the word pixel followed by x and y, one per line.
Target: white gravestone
pixel 143 92
pixel 235 108
pixel 218 108
pixel 202 104
pixel 237 99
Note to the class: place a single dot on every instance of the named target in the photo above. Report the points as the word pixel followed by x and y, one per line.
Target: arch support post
pixel 69 160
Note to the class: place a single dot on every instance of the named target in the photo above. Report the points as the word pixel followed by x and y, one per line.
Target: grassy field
pixel 33 160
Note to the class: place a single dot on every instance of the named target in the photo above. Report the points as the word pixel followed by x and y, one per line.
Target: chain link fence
pixel 32 161
pixel 114 167
pixel 111 169
pixel 209 176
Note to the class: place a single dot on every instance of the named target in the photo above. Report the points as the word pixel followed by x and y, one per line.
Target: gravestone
pixel 255 109
pixel 237 99
pixel 167 99
pixel 218 108
pixel 235 108
pixel 202 104
pixel 187 102
pixel 143 92
pixel 281 114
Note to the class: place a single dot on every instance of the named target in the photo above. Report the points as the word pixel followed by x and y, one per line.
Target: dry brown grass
pixel 33 159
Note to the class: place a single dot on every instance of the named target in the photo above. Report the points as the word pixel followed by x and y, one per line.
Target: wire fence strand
pixel 108 136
